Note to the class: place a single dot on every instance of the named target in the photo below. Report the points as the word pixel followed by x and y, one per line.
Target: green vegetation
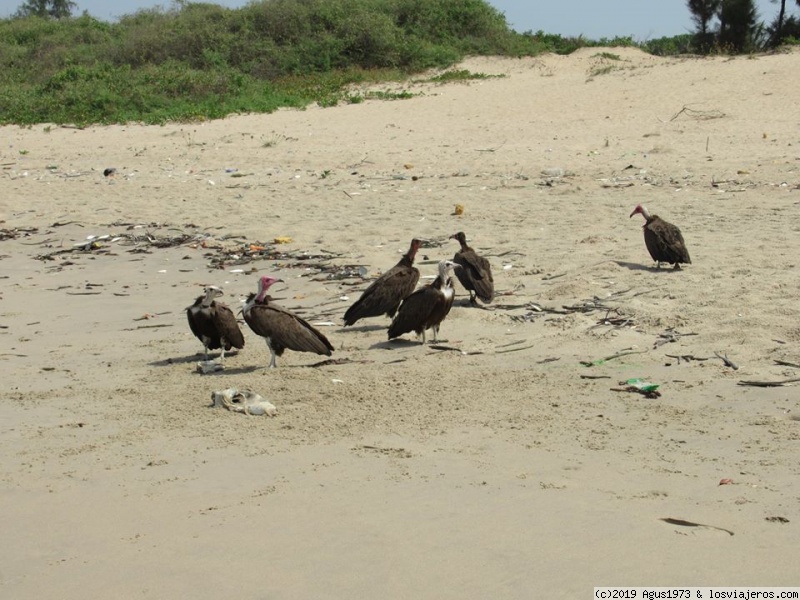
pixel 198 61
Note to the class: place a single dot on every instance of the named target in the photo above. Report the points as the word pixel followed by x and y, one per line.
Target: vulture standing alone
pixel 427 307
pixel 474 272
pixel 664 240
pixel 279 327
pixel 214 323
pixel 385 294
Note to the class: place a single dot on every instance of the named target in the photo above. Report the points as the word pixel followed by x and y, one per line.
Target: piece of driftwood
pixel 592 363
pixel 684 523
pixel 669 336
pixel 787 364
pixel 686 357
pixel 728 362
pixel 770 383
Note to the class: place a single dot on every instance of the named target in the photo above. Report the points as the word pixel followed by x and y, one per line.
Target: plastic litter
pixel 243 401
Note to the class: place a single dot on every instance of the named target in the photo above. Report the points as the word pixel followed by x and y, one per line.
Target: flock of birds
pixel 393 294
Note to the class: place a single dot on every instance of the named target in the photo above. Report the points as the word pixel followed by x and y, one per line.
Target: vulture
pixel 279 327
pixel 474 272
pixel 385 294
pixel 427 307
pixel 214 323
pixel 664 240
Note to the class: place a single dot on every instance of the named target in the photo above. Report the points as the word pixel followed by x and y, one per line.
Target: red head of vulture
pixel 281 328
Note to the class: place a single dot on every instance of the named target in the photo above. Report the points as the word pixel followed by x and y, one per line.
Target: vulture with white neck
pixel 385 294
pixel 427 307
pixel 214 323
pixel 279 327
pixel 664 240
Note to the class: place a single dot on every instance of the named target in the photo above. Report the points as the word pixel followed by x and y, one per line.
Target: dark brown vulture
pixel 214 323
pixel 664 240
pixel 427 307
pixel 474 272
pixel 385 294
pixel 279 327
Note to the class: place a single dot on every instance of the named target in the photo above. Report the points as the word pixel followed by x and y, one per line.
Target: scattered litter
pixel 459 209
pixel 243 401
pixel 641 384
pixel 209 366
pixel 725 481
pixel 284 239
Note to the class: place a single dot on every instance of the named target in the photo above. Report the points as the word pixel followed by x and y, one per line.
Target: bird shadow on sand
pixel 363 328
pixel 639 266
pixel 182 360
pixel 234 370
pixel 395 344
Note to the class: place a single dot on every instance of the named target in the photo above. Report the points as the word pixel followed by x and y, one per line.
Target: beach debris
pixel 787 364
pixel 700 115
pixel 684 523
pixel 209 366
pixel 283 239
pixel 458 209
pixel 669 336
pixel 109 172
pixel 243 401
pixel 770 383
pixel 600 361
pixel 725 481
pixel 641 386
pixel 728 363
pixel 782 520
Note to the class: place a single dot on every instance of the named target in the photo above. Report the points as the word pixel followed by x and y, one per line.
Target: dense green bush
pixel 201 60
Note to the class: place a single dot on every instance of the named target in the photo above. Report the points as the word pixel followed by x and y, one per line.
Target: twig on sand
pixel 452 349
pixel 684 523
pixel 770 383
pixel 515 349
pixel 592 363
pixel 787 364
pixel 728 363
pixel 337 361
pixel 686 357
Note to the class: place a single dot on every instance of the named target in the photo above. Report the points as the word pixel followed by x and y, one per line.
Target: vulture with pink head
pixel 384 295
pixel 213 323
pixel 427 307
pixel 664 240
pixel 281 328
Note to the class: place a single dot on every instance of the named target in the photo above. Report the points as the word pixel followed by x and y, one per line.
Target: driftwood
pixel 669 336
pixel 728 363
pixel 770 383
pixel 684 523
pixel 787 364
pixel 592 363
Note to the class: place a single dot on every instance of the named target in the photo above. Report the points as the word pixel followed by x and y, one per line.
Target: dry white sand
pixel 410 472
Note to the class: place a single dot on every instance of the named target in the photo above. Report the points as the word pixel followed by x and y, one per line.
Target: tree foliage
pixel 55 9
pixel 738 25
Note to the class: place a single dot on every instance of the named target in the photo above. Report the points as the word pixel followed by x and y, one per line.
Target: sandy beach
pixel 511 461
